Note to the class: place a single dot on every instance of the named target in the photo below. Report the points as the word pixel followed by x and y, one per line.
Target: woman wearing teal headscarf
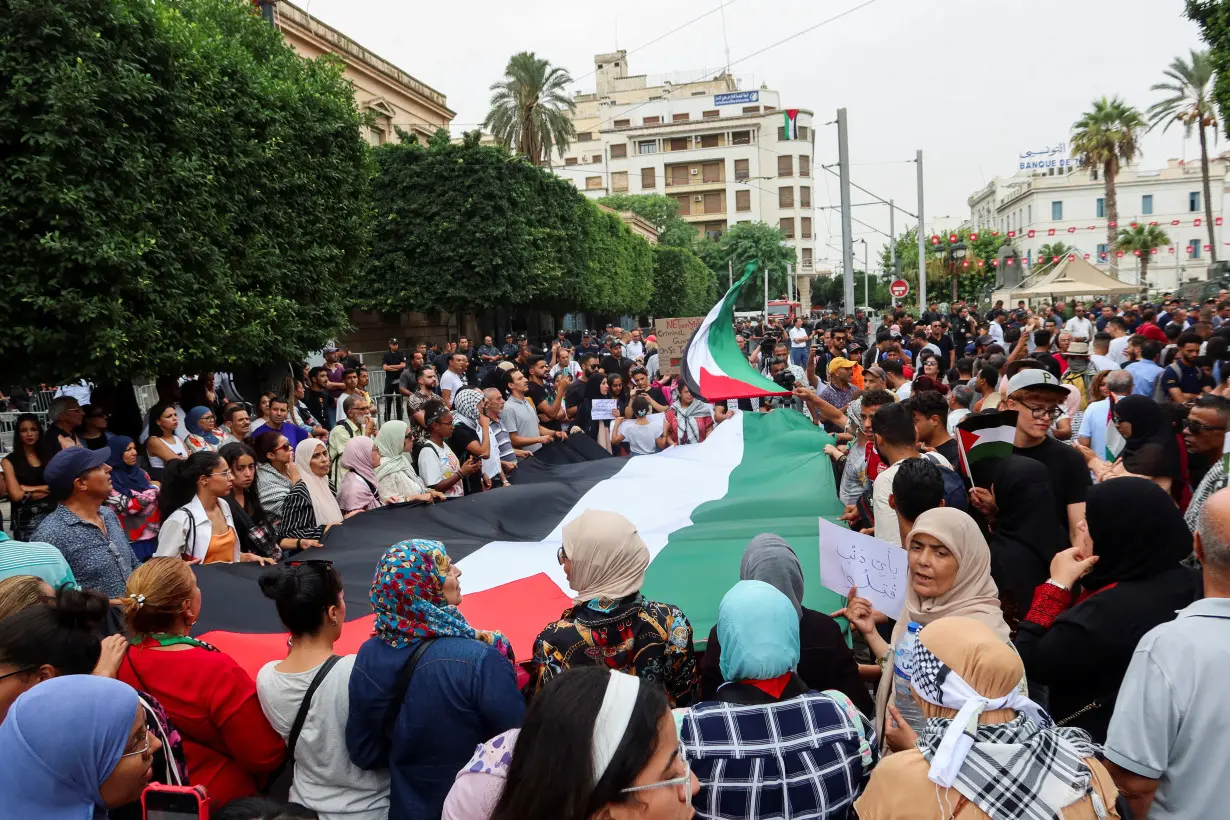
pixel 103 762
pixel 768 747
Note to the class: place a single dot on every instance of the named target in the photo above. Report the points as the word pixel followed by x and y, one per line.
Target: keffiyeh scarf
pixel 1027 768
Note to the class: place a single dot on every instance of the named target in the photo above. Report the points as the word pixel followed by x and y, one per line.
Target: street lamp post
pixel 866 276
pixel 953 256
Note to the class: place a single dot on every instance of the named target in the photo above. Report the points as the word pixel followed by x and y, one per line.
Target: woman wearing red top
pixel 229 745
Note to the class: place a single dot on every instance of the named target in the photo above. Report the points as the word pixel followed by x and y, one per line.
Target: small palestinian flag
pixel 985 436
pixel 1114 440
pixel 791 130
pixel 713 365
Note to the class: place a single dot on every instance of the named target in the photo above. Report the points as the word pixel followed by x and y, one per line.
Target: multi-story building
pixel 1067 203
pixel 725 155
pixel 397 99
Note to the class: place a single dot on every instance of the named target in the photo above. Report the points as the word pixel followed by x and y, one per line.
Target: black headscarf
pixel 1027 534
pixel 1137 531
pixel 1152 449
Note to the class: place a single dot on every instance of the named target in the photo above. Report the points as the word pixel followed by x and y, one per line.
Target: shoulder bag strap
pixel 304 707
pixel 401 683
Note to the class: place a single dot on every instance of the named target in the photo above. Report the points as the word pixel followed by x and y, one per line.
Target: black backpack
pixel 954 486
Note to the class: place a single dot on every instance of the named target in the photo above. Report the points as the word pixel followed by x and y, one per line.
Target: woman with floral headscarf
pixel 426 673
pixel 987 750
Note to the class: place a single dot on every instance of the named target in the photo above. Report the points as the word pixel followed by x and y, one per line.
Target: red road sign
pixel 899 288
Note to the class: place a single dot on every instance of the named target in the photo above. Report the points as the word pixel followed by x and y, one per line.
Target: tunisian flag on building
pixel 697 507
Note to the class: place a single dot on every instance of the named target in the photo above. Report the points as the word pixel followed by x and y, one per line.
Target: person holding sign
pixel 949 575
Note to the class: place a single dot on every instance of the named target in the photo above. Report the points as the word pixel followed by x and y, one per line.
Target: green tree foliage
pixel 1143 238
pixel 530 108
pixel 660 211
pixel 1107 137
pixel 682 284
pixel 1213 17
pixel 181 191
pixel 1189 102
pixel 744 243
pixel 1046 253
pixel 467 227
pixel 972 280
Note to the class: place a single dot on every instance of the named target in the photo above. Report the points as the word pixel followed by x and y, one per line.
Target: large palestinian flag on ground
pixel 713 365
pixel 695 506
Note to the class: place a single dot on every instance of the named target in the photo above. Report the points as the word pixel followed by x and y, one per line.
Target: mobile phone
pixel 161 802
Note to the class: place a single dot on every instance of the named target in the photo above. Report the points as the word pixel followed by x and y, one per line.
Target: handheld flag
pixel 985 436
pixel 713 365
pixel 1114 440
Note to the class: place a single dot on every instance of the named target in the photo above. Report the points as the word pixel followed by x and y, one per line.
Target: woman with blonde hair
pixel 987 750
pixel 21 592
pixel 229 744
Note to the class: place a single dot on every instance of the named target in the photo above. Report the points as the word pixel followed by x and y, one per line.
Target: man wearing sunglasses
pixel 1037 397
pixel 1204 433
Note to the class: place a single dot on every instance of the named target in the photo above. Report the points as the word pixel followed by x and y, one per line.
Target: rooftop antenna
pixel 725 37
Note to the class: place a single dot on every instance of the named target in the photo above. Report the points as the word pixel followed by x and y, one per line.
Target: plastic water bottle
pixel 903 667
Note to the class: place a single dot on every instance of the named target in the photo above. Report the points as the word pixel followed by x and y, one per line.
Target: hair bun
pixel 276 583
pixel 82 609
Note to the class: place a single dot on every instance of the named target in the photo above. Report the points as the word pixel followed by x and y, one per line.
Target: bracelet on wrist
pixel 1055 583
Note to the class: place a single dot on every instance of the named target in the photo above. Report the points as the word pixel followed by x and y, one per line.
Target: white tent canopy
pixel 1079 278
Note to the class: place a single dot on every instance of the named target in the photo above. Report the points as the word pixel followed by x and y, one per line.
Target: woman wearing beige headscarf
pixel 611 623
pixel 1015 764
pixel 949 575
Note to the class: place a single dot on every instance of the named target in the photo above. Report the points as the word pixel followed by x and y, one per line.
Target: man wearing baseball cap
pixel 1037 397
pixel 86 532
pixel 839 391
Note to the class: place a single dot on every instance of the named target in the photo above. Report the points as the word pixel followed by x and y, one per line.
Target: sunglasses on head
pixel 323 563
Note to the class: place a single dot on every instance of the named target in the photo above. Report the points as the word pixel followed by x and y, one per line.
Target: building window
pixel 648 178
pixel 1193 205
pixel 807 258
pixel 709 141
pixel 679 175
pixel 1103 252
pixel 1101 208
pixel 1146 205
pixel 751 109
pixel 584 136
pixel 787 226
pixel 593 182
pixel 1029 211
pixel 711 172
pixel 769 108
pixel 619 151
pixel 713 203
pixel 570 161
pixel 1056 211
pixel 619 181
pixel 805 227
pixel 651 120
pixel 683 209
pixel 804 165
pixel 647 147
pixel 785 166
pixel 596 158
pixel 743 200
pixel 741 171
pixel 622 123
pixel 1194 246
pixel 802 129
pixel 681 117
pixel 679 143
pixel 785 197
pixel 804 196
pixel 710 115
pixel 740 137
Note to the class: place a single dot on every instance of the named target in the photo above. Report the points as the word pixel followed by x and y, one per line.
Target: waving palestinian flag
pixel 713 364
pixel 696 507
pixel 985 436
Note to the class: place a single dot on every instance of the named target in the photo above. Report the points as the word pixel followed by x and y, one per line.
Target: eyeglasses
pixel 1041 413
pixel 560 556
pixel 226 473
pixel 1198 428
pixel 143 751
pixel 21 671
pixel 684 782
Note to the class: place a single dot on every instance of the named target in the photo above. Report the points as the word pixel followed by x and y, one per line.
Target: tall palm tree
pixel 1106 137
pixel 1190 102
pixel 1143 238
pixel 1049 251
pixel 530 108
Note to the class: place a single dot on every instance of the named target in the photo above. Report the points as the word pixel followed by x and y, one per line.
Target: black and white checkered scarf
pixel 1027 769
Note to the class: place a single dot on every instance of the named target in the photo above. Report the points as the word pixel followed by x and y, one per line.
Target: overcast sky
pixel 973 83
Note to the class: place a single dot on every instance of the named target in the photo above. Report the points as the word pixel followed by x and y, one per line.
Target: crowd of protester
pixel 1057 655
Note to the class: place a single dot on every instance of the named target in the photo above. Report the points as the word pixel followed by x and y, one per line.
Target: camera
pixel 784 379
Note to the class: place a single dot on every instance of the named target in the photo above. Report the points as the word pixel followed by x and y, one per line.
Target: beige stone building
pixel 397 98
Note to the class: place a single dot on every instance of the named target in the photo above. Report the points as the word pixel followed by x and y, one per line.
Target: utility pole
pixel 730 273
pixel 922 241
pixel 892 238
pixel 847 231
pixel 789 282
pixel 766 294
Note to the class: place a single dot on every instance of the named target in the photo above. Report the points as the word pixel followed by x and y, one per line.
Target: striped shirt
pixel 502 441
pixel 272 488
pixel 298 515
pixel 35 558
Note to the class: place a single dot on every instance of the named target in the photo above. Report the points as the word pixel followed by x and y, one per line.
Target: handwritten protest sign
pixel 851 559
pixel 672 336
pixel 604 409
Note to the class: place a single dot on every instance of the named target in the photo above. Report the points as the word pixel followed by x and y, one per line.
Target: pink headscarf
pixel 358 490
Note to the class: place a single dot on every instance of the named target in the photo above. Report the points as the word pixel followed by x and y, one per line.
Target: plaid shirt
pixel 803 758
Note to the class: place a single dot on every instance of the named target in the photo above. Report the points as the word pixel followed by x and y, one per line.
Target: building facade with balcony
pixel 724 155
pixel 1068 205
pixel 392 95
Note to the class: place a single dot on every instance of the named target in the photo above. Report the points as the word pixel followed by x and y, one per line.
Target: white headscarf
pixel 323 503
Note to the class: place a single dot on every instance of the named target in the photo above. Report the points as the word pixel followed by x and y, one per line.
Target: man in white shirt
pixel 1079 325
pixel 564 363
pixel 635 348
pixel 1100 358
pixel 799 342
pixel 454 378
pixel 960 400
pixel 996 328
pixel 81 391
pixel 1119 337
